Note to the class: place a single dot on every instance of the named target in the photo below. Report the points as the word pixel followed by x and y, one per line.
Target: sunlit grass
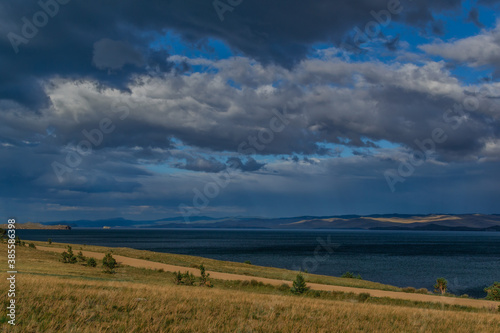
pixel 57 297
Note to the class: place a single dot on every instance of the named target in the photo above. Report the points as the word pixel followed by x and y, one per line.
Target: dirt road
pixel 315 286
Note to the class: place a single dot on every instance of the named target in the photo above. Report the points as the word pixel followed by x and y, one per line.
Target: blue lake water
pixel 470 261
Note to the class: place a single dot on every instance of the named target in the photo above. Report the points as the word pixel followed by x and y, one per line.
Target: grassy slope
pixel 61 297
pixel 229 267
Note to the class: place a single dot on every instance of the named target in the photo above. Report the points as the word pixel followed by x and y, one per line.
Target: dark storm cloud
pixel 279 32
pixel 110 54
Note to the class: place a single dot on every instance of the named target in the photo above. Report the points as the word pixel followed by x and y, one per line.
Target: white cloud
pixel 479 50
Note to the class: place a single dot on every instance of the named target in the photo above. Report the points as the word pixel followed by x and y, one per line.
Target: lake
pixel 470 261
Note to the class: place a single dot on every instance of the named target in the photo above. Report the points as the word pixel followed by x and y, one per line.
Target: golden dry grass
pixel 141 263
pixel 54 304
pixel 225 266
pixel 57 297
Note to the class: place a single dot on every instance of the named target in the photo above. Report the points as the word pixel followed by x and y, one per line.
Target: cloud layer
pixel 101 114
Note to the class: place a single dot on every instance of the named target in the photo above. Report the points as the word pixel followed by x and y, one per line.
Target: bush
pixel 409 290
pixel 441 285
pixel 49 241
pixel 186 278
pixel 349 275
pixel 283 287
pixel 299 285
pixel 109 263
pixel 363 297
pixel 91 262
pixel 204 277
pixel 68 257
pixel 248 262
pixel 80 257
pixel 493 292
pixel 178 277
pixel 464 296
pixel 189 279
pixel 422 291
pixel 32 246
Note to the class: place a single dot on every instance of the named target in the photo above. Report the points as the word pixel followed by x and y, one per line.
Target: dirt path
pixel 315 286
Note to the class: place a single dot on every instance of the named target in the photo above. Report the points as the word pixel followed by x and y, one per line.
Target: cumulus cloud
pixel 348 104
pixel 479 50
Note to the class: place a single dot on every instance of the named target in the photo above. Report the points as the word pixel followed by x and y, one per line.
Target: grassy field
pixel 229 267
pixel 57 297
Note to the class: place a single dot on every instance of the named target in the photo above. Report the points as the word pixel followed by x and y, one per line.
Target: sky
pixel 148 110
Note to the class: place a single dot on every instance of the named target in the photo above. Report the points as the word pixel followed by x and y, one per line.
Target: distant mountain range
pixel 437 222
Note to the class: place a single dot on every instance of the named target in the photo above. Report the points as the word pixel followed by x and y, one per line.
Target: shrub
pixel 204 277
pixel 186 278
pixel 363 297
pixel 248 262
pixel 178 277
pixel 349 275
pixel 109 263
pixel 91 262
pixel 441 285
pixel 283 287
pixel 493 292
pixel 464 296
pixel 422 291
pixel 299 285
pixel 409 290
pixel 68 257
pixel 32 246
pixel 80 257
pixel 49 241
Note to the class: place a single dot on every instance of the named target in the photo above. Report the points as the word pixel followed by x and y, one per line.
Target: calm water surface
pixel 470 261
